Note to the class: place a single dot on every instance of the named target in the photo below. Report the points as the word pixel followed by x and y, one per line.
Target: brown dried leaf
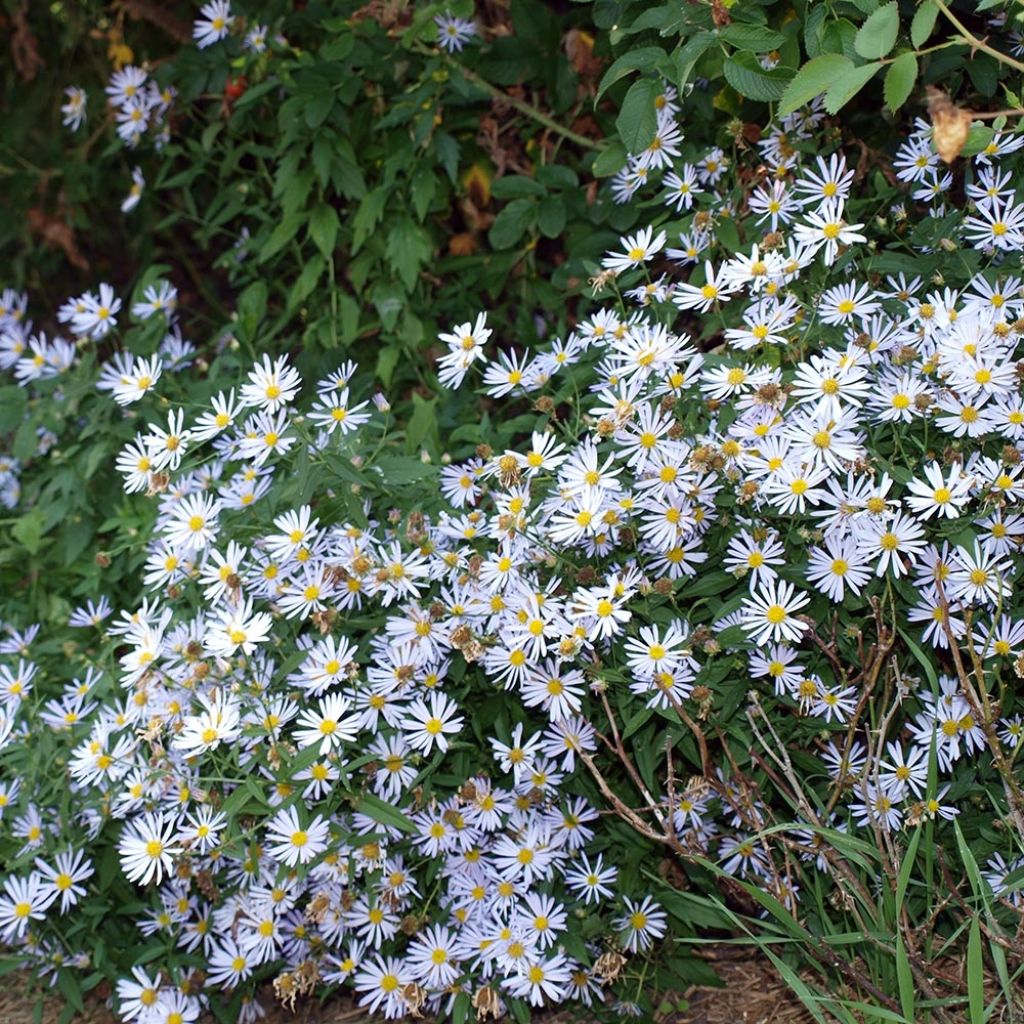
pixel 477 181
pixel 462 244
pixel 24 48
pixel 157 14
pixel 57 233
pixel 579 48
pixel 950 124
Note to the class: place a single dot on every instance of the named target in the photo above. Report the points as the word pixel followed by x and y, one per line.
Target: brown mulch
pixel 753 994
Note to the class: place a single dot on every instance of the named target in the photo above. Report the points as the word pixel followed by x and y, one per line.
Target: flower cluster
pixel 142 107
pixel 381 720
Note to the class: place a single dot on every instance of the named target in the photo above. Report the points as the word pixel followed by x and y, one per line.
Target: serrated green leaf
pixel 281 236
pixel 923 24
pixel 323 228
pixel 743 71
pixel 306 281
pixel 338 48
pixel 323 146
pixel 638 118
pixel 757 38
pixel 899 80
pixel 408 248
pixel 424 185
pixel 28 531
pixel 814 78
pixel 877 36
pixel 370 210
pixel 318 106
pixel 848 84
pixel 388 299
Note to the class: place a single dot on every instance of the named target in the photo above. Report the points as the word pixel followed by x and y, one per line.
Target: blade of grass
pixel 904 979
pixel 874 1012
pixel 904 975
pixel 975 975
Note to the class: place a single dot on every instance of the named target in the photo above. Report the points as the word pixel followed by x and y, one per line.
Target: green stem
pixel 523 107
pixel 974 41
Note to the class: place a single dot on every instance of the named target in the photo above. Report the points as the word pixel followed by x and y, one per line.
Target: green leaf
pixel 975 974
pixel 422 431
pixel 323 228
pixel 350 311
pixel 424 185
pixel 26 441
pixel 848 84
pixel 638 118
pixel 28 530
pixel 516 186
pixel 904 979
pixel 387 360
pixel 610 160
pixel 281 236
pixel 338 48
pixel 922 659
pixel 68 984
pixel 461 1008
pixel 408 248
pixel 557 176
pixel 551 217
pixel 13 401
pixel 318 106
pixel 388 299
pixel 814 78
pixel 307 280
pixel 923 23
pixel 877 36
pixel 255 93
pixel 752 37
pixel 511 223
pixel 323 147
pixel 899 80
pixel 743 71
pixel 978 138
pixel 252 303
pixel 210 133
pixel 685 57
pixel 383 812
pixel 370 209
pixel 632 60
pixel 251 309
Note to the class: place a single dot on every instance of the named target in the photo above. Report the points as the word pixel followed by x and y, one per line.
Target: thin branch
pixel 524 108
pixel 974 41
